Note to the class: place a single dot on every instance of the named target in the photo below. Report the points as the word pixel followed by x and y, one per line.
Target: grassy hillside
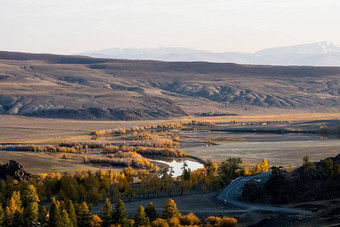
pixel 44 85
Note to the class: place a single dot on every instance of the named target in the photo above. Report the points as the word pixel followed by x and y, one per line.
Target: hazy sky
pixel 71 26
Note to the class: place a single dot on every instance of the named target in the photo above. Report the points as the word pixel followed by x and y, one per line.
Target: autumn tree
pixel 189 220
pixel 228 222
pixel 65 220
pixel 185 182
pixel 155 185
pixel 170 210
pixel 327 165
pixel 307 163
pixel 174 221
pixel 264 165
pixel 228 170
pixel 13 214
pixel 1 215
pixel 96 221
pixel 83 215
pixel 42 217
pixel 141 219
pixel 167 180
pixel 55 218
pixel 129 173
pixel 129 192
pixel 210 166
pixel 217 221
pixel 119 214
pixel 159 222
pixel 114 191
pixel 145 187
pixel 151 212
pixel 106 215
pixel 31 206
pixel 71 212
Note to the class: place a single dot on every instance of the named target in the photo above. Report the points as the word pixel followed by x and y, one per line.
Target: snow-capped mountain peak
pixel 328 47
pixel 309 49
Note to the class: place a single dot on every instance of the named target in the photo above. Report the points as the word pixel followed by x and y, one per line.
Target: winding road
pixel 232 194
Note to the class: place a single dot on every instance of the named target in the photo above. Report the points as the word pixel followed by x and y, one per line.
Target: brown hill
pixel 46 85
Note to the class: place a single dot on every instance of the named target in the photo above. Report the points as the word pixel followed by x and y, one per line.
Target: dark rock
pixel 14 170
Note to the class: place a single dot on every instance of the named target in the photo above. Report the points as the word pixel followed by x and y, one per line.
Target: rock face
pixel 303 184
pixel 14 170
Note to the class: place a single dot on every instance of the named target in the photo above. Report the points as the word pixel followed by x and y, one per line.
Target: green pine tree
pixel 54 214
pixel 84 215
pixel 1 215
pixel 65 220
pixel 42 217
pixel 107 210
pixel 71 213
pixel 141 219
pixel 18 218
pixel 31 213
pixel 151 212
pixel 119 214
pixel 31 206
pixel 170 210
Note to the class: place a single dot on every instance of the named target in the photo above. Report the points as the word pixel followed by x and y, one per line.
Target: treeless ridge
pixel 75 87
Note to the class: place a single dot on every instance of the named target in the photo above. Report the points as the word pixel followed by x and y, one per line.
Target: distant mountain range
pixel 314 54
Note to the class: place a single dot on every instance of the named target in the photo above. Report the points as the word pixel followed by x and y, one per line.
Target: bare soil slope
pixel 78 87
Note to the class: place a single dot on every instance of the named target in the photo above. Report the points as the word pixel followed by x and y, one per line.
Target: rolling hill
pixel 76 87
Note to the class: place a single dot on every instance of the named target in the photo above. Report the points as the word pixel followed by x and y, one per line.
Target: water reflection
pixel 177 165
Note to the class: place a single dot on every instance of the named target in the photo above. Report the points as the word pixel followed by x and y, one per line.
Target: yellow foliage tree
pixel 95 221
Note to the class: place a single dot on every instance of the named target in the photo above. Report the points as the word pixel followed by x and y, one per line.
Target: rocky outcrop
pixel 14 170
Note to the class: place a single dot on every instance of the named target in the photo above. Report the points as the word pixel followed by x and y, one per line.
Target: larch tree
pixel 159 222
pixel 228 170
pixel 119 214
pixel 1 215
pixel 55 219
pixel 141 219
pixel 189 220
pixel 65 220
pixel 96 221
pixel 151 212
pixel 31 206
pixel 13 212
pixel 71 213
pixel 83 215
pixel 42 217
pixel 107 216
pixel 170 210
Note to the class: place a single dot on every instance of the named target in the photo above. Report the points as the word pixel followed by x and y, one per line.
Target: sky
pixel 73 26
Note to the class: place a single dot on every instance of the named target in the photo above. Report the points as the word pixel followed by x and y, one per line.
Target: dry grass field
pixel 40 162
pixel 17 129
pixel 27 130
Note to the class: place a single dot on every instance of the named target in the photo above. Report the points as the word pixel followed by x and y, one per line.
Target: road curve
pixel 232 194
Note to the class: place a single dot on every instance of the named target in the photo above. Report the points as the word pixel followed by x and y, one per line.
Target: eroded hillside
pixel 89 88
